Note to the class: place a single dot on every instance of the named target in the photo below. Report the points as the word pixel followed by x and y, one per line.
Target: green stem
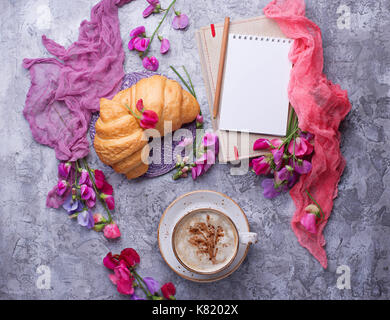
pixel 189 79
pixel 96 190
pixel 317 204
pixel 141 282
pixel 182 80
pixel 158 27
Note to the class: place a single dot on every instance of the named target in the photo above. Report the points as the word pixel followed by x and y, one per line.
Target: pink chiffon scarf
pixel 320 106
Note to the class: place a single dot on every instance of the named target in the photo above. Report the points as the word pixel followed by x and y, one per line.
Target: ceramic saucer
pixel 189 202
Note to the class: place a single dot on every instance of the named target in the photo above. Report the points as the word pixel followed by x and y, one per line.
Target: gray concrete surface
pixel 358 233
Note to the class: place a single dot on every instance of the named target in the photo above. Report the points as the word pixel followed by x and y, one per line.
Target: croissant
pixel 120 141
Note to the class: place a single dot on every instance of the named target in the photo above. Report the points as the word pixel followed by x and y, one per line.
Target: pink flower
pixel 210 141
pixel 111 231
pixel 140 105
pixel 261 144
pixel 92 199
pixel 137 31
pixel 165 45
pixel 141 44
pixel 260 166
pixel 107 188
pixel 97 217
pixel 109 199
pixel 301 148
pixel 99 178
pixel 84 178
pixel 168 290
pixel 130 256
pixel 199 118
pixel 308 221
pixel 180 21
pixel 64 169
pixel 110 262
pixel 86 192
pixel 149 119
pixel 62 186
pixel 122 278
pixel 150 64
pixel 185 142
pixel 153 7
pixel 131 44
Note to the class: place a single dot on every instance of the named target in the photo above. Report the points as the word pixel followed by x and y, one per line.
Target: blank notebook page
pixel 254 91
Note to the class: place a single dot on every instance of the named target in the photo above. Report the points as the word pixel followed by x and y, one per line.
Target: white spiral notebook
pixel 254 90
pixel 256 75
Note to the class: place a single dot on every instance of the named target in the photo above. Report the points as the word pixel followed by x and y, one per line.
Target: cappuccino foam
pixel 205 240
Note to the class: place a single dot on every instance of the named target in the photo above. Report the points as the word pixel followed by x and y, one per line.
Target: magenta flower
pixel 150 64
pixel 185 142
pixel 260 166
pixel 137 31
pixel 152 7
pixel 141 44
pixel 86 192
pixel 180 21
pixel 131 44
pixel 84 178
pixel 109 199
pixel 64 169
pixel 122 278
pixel 62 186
pixel 92 199
pixel 301 148
pixel 199 118
pixel 109 261
pixel 165 45
pixel 270 191
pixel 261 144
pixel 308 221
pixel 99 178
pixel 111 231
pixel 301 166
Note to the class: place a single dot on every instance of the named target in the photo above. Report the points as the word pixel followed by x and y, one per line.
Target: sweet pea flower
pixel 64 169
pixel 109 199
pixel 131 44
pixel 110 262
pixel 141 44
pixel 307 135
pixel 301 166
pixel 260 166
pixel 111 231
pixel 135 297
pixel 97 217
pixel 152 285
pixel 270 191
pixel 309 222
pixel 180 21
pixel 85 219
pixel 137 31
pixel 123 279
pixel 301 147
pixel 165 45
pixel 154 6
pixel 284 173
pixel 199 118
pixel 72 205
pixel 99 178
pixel 261 144
pixel 149 119
pixel 84 178
pixel 168 290
pixel 130 256
pixel 62 186
pixel 86 192
pixel 92 199
pixel 150 64
pixel 185 142
pixel 107 188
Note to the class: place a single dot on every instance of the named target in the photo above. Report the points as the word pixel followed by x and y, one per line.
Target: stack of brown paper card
pixel 233 145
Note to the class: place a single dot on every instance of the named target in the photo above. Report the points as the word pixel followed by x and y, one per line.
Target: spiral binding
pixel 260 38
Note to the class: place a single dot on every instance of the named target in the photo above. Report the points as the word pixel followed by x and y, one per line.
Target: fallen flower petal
pixel 165 45
pixel 180 21
pixel 261 144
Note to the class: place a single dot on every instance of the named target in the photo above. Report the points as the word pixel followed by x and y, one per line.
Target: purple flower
pixel 150 64
pixel 199 118
pixel 185 142
pixel 306 135
pixel 292 179
pixel 165 45
pixel 72 205
pixel 135 297
pixel 270 191
pixel 151 8
pixel 137 31
pixel 92 200
pixel 62 186
pixel 301 166
pixel 86 192
pixel 283 174
pixel 180 21
pixel 64 169
pixel 84 178
pixel 85 219
pixel 141 44
pixel 260 166
pixel 278 157
pixel 152 285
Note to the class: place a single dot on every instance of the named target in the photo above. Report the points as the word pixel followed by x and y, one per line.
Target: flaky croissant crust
pixel 120 141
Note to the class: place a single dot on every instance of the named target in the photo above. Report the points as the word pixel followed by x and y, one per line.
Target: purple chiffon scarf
pixel 65 90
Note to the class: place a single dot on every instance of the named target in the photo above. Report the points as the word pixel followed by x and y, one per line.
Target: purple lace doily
pixel 154 170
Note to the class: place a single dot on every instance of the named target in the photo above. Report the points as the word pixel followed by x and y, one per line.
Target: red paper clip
pixel 212 30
